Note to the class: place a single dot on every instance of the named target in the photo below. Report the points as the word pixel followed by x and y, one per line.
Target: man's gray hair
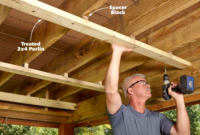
pixel 124 85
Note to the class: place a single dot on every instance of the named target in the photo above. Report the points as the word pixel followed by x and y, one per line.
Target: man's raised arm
pixel 113 99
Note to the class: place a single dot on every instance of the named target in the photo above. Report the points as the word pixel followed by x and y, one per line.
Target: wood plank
pixel 94 7
pixel 33 111
pixel 86 27
pixel 28 123
pixel 49 77
pixel 172 103
pixel 4 11
pixel 174 107
pixel 36 101
pixel 158 16
pixel 163 38
pixel 33 117
pixel 47 34
pixel 60 65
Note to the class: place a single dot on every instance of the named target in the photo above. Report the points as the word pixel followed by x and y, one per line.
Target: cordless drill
pixel 186 86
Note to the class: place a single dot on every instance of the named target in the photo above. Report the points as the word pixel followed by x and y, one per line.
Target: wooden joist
pixel 49 77
pixel 34 111
pixel 156 17
pixel 4 11
pixel 36 101
pixel 32 117
pixel 28 123
pixel 172 103
pixel 78 24
pixel 94 7
pixel 96 48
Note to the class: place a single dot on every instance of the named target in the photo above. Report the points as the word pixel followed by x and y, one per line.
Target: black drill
pixel 186 86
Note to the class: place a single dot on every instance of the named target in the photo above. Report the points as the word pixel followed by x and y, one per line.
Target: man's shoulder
pixel 154 113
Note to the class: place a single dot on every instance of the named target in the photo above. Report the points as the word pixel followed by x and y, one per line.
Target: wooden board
pixel 4 11
pixel 94 7
pixel 36 101
pixel 49 77
pixel 32 117
pixel 34 111
pixel 28 123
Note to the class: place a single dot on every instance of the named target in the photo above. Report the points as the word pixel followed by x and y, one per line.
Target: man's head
pixel 136 86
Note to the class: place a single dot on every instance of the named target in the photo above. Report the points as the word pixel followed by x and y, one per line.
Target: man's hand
pixel 175 95
pixel 120 48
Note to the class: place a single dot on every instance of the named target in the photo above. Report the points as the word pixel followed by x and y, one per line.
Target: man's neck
pixel 138 105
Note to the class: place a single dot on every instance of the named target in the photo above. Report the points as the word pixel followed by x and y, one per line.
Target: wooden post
pixel 66 129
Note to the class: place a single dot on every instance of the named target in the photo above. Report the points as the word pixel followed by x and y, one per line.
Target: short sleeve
pixel 116 119
pixel 165 124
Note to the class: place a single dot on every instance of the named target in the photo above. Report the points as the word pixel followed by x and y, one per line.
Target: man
pixel 135 119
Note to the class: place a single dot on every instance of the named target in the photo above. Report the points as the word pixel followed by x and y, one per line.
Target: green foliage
pixel 194 115
pixel 26 130
pixel 98 130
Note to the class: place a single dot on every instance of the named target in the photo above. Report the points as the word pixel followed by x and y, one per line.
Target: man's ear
pixel 130 91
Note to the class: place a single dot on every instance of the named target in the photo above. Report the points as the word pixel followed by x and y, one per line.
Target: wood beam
pixel 48 33
pixel 49 77
pixel 33 111
pixel 96 48
pixel 94 7
pixel 4 11
pixel 32 117
pixel 172 103
pixel 36 101
pixel 162 38
pixel 89 28
pixel 28 123
pixel 23 112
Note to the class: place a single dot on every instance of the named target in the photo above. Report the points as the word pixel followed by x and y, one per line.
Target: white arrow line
pixel 33 28
pixel 96 11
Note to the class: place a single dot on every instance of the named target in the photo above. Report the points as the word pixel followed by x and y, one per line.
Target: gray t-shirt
pixel 127 121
